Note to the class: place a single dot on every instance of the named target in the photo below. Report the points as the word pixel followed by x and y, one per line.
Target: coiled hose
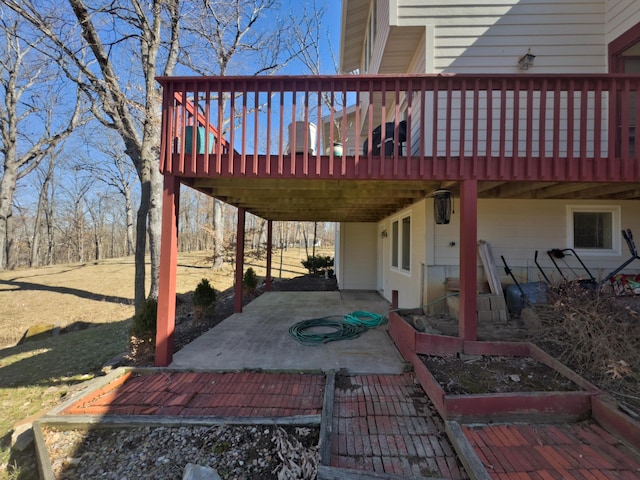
pixel 352 325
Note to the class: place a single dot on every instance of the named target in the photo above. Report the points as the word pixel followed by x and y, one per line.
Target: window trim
pixel 614 210
pixel 399 219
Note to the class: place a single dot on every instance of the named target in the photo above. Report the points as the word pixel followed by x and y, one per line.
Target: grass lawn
pixel 37 375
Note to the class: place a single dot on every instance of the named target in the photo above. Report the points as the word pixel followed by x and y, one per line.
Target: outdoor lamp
pixel 442 206
pixel 526 61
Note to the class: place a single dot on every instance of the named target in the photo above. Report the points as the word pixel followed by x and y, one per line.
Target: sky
pixel 28 190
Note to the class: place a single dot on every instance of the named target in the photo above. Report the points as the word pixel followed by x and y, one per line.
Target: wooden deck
pixel 519 136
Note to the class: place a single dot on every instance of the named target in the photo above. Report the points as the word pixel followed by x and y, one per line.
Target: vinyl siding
pixel 358 246
pixel 515 229
pixel 621 16
pixel 566 36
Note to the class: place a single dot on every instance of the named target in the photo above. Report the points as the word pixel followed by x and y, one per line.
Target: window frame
pixel 399 244
pixel 614 210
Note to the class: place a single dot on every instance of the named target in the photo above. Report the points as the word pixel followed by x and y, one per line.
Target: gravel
pixel 236 452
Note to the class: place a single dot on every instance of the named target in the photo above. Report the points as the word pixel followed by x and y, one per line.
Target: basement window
pixel 594 229
pixel 401 244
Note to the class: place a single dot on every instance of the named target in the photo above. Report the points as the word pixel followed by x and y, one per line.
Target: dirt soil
pixel 188 328
pixel 461 375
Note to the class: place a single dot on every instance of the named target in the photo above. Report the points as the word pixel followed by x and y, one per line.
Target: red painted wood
pixel 269 255
pixel 468 259
pixel 403 335
pixel 429 344
pixel 237 297
pixel 168 268
pixel 606 412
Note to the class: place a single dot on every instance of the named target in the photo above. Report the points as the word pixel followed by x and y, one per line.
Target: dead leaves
pixel 618 369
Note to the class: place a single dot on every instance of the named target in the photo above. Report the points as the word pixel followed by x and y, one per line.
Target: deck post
pixel 267 286
pixel 237 300
pixel 166 316
pixel 468 319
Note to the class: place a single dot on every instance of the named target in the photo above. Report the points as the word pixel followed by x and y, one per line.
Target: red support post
pixel 166 317
pixel 468 320
pixel 269 255
pixel 237 300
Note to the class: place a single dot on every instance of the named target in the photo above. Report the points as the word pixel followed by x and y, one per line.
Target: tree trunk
pixel 12 258
pixel 315 236
pixel 141 242
pixel 49 256
pixel 37 227
pixel 218 234
pixel 42 204
pixel 155 229
pixel 7 191
pixel 129 215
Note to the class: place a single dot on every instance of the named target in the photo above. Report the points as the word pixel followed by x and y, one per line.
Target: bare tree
pixel 116 172
pixel 44 205
pixel 125 96
pixel 114 50
pixel 32 96
pixel 246 37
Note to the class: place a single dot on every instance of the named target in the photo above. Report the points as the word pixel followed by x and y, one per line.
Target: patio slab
pixel 258 338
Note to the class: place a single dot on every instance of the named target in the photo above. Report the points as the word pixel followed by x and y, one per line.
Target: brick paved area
pixel 385 424
pixel 249 394
pixel 581 451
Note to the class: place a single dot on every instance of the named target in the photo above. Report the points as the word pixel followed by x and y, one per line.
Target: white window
pixel 401 244
pixel 594 229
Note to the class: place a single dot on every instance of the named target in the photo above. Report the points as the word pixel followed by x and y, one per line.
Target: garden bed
pixel 510 395
pixel 468 375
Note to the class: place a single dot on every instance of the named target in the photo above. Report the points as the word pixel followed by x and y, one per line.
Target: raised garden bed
pixel 482 374
pixel 491 402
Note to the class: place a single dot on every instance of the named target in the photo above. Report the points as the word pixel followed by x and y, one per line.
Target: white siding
pixel 567 36
pixel 515 229
pixel 358 248
pixel 408 284
pixel 621 16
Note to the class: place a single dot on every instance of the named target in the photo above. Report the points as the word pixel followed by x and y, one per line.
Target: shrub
pixel 590 332
pixel 144 321
pixel 250 280
pixel 318 263
pixel 204 294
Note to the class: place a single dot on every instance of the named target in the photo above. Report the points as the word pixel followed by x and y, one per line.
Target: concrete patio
pixel 258 338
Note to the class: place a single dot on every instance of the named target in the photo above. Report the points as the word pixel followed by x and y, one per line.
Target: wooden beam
pixel 560 189
pixel 166 316
pixel 269 255
pixel 468 319
pixel 605 191
pixel 518 189
pixel 237 300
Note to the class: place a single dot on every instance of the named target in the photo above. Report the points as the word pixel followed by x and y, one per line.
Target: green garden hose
pixel 367 319
pixel 350 326
pixel 340 330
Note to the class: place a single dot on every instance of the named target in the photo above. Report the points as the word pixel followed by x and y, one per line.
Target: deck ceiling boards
pixel 317 200
pixel 372 201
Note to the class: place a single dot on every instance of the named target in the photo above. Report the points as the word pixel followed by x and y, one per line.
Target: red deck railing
pixel 519 127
